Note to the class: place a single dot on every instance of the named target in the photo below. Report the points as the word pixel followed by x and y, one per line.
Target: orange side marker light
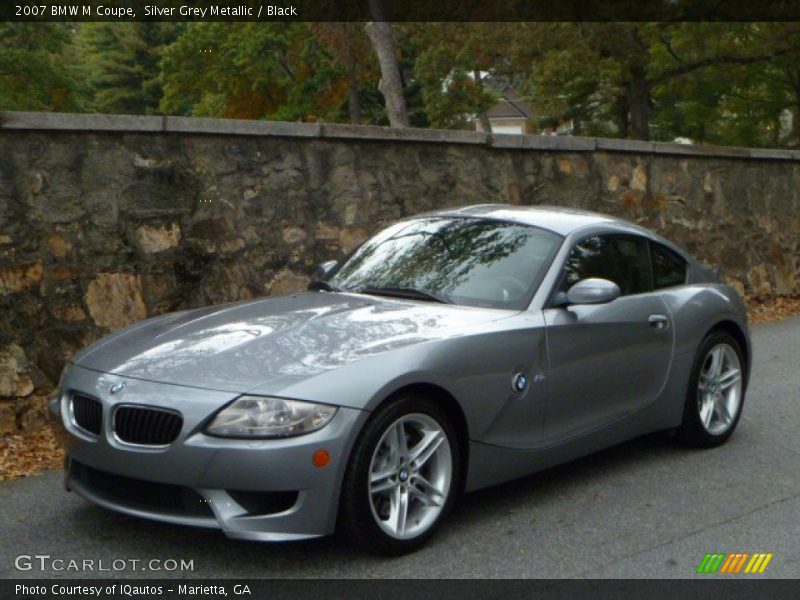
pixel 321 458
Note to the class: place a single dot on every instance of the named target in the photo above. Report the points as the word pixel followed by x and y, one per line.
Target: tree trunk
pixel 354 101
pixel 639 104
pixel 341 40
pixel 483 119
pixel 354 96
pixel 622 115
pixel 391 84
pixel 794 134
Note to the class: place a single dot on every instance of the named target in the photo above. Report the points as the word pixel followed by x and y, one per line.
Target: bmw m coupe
pixel 451 351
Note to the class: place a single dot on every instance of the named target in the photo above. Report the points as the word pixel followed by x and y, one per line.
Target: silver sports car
pixel 450 352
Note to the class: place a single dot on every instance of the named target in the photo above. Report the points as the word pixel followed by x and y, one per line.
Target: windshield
pixel 477 262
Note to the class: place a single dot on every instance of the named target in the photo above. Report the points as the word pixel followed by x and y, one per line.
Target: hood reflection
pixel 244 345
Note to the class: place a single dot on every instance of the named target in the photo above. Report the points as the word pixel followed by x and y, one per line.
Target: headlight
pixel 263 417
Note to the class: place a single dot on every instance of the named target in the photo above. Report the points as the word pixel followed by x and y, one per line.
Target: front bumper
pixel 229 477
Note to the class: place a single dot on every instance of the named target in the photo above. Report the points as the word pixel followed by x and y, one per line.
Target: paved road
pixel 648 508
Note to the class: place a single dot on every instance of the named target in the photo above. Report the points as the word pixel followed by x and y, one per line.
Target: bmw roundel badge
pixel 519 382
pixel 117 387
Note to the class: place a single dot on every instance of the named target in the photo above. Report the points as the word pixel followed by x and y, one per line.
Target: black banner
pixel 399 10
pixel 180 589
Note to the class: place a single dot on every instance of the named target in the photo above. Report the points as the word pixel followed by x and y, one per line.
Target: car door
pixel 606 360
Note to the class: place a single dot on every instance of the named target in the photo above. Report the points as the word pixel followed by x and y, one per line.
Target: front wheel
pixel 716 392
pixel 402 477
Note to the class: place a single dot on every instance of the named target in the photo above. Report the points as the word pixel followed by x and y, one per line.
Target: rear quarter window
pixel 669 269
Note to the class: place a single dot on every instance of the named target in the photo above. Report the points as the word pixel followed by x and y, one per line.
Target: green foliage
pixel 722 83
pixel 121 61
pixel 728 83
pixel 448 55
pixel 252 70
pixel 36 67
pixel 762 107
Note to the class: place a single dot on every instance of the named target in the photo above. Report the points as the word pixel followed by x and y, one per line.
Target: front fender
pixel 475 368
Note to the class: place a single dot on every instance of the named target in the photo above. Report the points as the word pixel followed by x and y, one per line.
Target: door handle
pixel 658 322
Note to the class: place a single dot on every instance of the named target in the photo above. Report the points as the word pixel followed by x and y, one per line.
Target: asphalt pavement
pixel 647 508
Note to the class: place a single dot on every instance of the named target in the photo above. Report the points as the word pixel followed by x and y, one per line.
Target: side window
pixel 668 268
pixel 622 259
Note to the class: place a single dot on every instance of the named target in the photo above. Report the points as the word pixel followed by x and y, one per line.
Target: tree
pixel 451 63
pixel 252 71
pixel 350 47
pixel 762 106
pixel 721 72
pixel 36 71
pixel 122 64
pixel 391 83
pixel 631 60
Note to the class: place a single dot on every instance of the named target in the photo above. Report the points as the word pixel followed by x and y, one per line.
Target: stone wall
pixel 105 220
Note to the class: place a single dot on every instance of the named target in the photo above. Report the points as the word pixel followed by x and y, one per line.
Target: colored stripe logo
pixel 734 562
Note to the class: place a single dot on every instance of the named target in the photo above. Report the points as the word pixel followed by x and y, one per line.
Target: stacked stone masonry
pixel 105 220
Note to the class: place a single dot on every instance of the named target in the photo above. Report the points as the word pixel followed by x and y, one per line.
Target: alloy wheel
pixel 410 476
pixel 719 389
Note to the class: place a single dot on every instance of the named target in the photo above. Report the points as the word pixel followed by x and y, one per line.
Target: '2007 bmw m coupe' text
pixel 450 352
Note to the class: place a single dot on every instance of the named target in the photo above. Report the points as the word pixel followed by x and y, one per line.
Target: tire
pixel 381 478
pixel 715 396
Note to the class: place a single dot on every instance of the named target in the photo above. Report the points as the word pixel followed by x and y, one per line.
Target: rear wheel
pixel 716 392
pixel 402 477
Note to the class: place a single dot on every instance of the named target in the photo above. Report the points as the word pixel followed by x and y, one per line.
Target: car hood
pixel 277 341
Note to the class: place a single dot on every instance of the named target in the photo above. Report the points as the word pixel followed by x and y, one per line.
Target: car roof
pixel 558 219
pixel 563 220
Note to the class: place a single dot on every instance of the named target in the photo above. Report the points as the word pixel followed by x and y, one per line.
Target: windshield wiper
pixel 324 286
pixel 404 292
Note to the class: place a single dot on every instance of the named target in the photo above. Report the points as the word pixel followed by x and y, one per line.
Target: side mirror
pixel 324 270
pixel 593 291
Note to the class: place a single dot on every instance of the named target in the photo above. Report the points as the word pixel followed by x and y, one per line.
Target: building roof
pixel 511 105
